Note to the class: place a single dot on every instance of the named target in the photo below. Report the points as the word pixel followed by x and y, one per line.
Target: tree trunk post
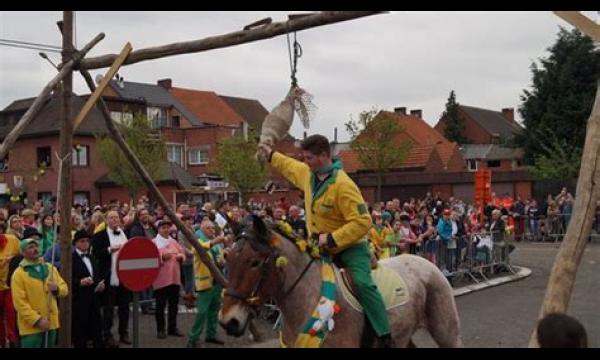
pixel 564 271
pixel 65 201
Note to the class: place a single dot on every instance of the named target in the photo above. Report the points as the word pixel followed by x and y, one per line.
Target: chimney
pixel 400 110
pixel 335 135
pixel 165 83
pixel 509 114
pixel 417 112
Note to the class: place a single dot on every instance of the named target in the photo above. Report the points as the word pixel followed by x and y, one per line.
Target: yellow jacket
pixel 203 279
pixel 378 237
pixel 30 297
pixel 337 208
pixel 6 253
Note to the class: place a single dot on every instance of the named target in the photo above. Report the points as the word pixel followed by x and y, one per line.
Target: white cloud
pixel 410 59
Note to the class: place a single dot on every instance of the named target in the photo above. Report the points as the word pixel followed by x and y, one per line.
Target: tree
pixel 147 145
pixel 559 159
pixel 374 139
pixel 454 123
pixel 560 100
pixel 236 162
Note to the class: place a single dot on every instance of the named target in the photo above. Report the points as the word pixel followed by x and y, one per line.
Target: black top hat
pixel 30 231
pixel 81 234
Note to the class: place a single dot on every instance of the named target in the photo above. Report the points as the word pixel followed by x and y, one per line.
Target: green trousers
pixel 38 340
pixel 357 259
pixel 208 303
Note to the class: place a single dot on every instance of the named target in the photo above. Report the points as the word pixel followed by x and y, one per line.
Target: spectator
pixel 31 285
pixel 561 331
pixel 296 222
pixel 394 240
pixel 9 248
pixel 28 218
pixel 168 282
pixel 208 292
pixel 142 226
pixel 87 284
pixel 444 230
pixel 377 234
pixel 567 210
pixel 429 239
pixel 187 266
pixel 15 227
pixel 47 231
pixel 106 247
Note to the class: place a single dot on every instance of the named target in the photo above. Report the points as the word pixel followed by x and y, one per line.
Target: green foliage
pixel 145 143
pixel 559 160
pixel 454 124
pixel 561 98
pixel 374 140
pixel 236 162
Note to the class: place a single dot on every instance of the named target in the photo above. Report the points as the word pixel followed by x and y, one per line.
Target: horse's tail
pixel 442 321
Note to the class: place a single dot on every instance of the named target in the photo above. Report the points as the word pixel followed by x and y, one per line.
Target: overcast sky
pixel 412 59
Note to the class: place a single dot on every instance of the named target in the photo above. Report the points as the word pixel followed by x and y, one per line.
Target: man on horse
pixel 336 213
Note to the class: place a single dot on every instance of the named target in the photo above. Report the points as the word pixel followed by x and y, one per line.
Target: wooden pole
pixel 34 109
pixel 139 168
pixel 581 22
pixel 66 147
pixel 103 84
pixel 230 39
pixel 564 271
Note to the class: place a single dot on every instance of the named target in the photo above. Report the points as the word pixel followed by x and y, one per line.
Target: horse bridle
pixel 253 299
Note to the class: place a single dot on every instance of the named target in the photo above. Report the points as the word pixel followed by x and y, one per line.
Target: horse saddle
pixel 391 285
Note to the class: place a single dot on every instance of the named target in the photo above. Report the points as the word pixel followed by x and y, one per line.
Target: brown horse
pixel 255 277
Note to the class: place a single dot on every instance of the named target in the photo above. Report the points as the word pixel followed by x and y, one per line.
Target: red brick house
pixel 484 126
pixel 433 164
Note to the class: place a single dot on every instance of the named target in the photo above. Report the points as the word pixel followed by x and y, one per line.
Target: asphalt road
pixel 501 316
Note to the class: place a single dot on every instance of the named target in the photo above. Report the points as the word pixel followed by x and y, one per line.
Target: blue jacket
pixel 444 229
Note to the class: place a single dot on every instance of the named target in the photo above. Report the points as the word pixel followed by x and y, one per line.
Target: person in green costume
pixel 336 213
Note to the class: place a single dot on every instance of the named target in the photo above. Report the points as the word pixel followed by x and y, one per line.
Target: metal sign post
pixel 137 267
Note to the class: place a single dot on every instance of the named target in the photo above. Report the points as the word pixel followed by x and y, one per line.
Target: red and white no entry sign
pixel 138 263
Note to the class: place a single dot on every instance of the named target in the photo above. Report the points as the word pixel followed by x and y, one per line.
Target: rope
pixel 294 62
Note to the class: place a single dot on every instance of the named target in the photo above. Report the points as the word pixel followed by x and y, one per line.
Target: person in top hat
pixel 87 287
pixel 31 285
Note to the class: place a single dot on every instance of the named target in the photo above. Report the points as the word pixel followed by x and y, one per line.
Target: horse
pixel 255 277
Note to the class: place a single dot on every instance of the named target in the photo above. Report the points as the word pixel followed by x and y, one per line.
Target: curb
pixel 522 273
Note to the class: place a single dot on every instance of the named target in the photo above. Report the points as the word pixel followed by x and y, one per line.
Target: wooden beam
pixel 581 22
pixel 231 39
pixel 139 168
pixel 66 190
pixel 564 271
pixel 103 84
pixel 39 101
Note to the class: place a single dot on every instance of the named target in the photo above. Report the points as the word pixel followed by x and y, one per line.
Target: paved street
pixel 501 316
pixel 504 316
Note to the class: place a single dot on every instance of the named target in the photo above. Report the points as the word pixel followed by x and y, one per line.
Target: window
pixel 45 197
pixel 117 116
pixel 157 117
pixel 175 121
pixel 493 163
pixel 80 155
pixel 198 156
pixel 81 198
pixel 4 164
pixel 127 116
pixel 472 165
pixel 44 157
pixel 175 154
